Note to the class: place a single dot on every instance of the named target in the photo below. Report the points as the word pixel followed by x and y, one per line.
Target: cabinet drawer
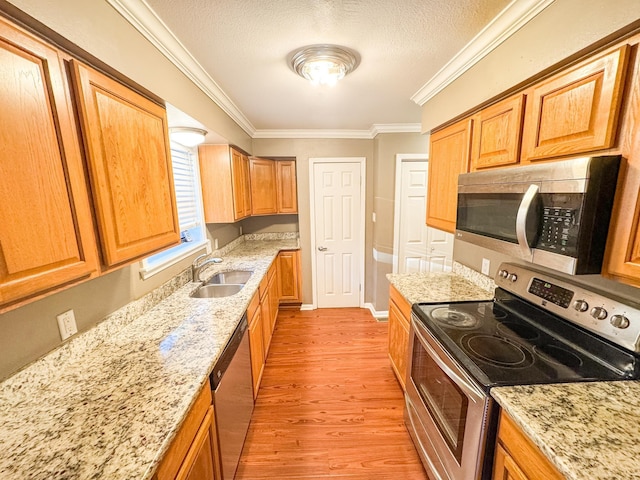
pixel 402 304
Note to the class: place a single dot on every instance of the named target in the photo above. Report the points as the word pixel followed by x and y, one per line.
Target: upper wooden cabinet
pixel 287 190
pixel 46 238
pixel 127 146
pixel 448 157
pixel 224 173
pixel 497 134
pixel 576 110
pixel 263 186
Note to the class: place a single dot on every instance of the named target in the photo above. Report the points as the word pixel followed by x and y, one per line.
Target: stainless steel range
pixel 537 329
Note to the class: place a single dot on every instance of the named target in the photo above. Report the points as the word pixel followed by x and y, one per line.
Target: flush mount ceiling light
pixel 323 64
pixel 187 136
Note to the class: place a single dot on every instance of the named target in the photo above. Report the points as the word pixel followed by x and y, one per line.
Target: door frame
pixel 400 158
pixel 312 207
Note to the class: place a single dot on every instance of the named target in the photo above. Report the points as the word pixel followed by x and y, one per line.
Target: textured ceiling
pixel 243 45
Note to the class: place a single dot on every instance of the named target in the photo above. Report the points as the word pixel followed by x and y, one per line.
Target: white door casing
pixel 337 212
pixel 417 248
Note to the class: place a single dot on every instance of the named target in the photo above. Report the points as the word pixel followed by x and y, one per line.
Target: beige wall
pixel 562 29
pixel 386 147
pixel 303 150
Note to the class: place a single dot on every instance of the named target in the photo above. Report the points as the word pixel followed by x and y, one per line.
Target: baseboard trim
pixel 378 315
pixel 306 307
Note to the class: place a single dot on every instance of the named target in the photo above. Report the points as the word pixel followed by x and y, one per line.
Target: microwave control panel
pixel 559 230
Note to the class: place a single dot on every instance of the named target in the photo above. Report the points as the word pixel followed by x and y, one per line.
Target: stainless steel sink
pixel 232 276
pixel 216 290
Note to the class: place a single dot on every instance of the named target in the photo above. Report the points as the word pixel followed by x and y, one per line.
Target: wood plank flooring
pixel 329 405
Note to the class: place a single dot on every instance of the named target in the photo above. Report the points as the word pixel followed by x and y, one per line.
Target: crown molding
pixel 145 20
pixel 509 21
pixel 350 134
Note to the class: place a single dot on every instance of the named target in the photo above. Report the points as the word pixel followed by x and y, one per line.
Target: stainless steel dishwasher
pixel 233 398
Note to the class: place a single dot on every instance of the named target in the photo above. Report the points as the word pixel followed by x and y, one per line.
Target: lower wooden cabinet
pixel 256 342
pixel 194 453
pixel 399 324
pixel 517 458
pixel 290 278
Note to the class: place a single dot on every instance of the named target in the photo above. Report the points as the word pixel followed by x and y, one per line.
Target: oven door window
pixel 446 403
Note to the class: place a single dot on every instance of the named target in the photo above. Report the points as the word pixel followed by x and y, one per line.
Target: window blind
pixel 185 185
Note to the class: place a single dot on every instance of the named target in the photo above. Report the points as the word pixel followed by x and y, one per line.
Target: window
pixel 186 180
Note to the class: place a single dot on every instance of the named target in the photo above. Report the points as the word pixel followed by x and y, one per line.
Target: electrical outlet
pixel 67 324
pixel 215 244
pixel 373 217
pixel 486 265
pixel 240 229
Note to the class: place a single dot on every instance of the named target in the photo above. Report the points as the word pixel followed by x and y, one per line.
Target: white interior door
pixel 337 201
pixel 420 248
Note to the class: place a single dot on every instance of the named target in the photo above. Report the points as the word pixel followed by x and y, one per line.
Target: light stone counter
pixel 107 404
pixel 589 431
pixel 459 285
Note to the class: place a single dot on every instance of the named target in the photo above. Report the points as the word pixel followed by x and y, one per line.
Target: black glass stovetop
pixel 509 341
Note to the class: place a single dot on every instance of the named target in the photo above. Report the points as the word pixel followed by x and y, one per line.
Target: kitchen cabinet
pixel 287 190
pixel 290 278
pixel 263 186
pixel 256 342
pixel 269 305
pixel 47 238
pixel 497 132
pixel 517 458
pixel 129 162
pixel 576 110
pixel 224 174
pixel 448 157
pixel 194 452
pixel 399 325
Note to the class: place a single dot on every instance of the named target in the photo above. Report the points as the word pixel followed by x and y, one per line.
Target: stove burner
pixel 558 355
pixel 498 313
pixel 496 351
pixel 518 330
pixel 453 318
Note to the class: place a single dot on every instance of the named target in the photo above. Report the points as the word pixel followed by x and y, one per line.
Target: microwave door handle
pixel 521 219
pixel 471 390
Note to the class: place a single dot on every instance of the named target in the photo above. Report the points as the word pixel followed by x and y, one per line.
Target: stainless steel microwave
pixel 554 214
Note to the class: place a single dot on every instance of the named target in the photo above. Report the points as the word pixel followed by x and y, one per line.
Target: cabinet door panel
pixel 46 239
pixel 287 187
pixel 130 166
pixel 290 288
pixel 497 133
pixel 505 468
pixel 448 157
pixel 575 111
pixel 398 343
pixel 263 186
pixel 256 343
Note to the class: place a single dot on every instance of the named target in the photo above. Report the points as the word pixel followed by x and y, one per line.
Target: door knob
pixel 322 249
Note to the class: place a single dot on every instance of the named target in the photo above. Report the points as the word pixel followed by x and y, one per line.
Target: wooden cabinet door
pixel 263 186
pixel 240 179
pixel 398 343
pixel 199 462
pixel 265 312
pixel 290 277
pixel 46 232
pixel 504 468
pixel 256 343
pixel 274 296
pixel 497 133
pixel 127 147
pixel 448 157
pixel 575 111
pixel 287 190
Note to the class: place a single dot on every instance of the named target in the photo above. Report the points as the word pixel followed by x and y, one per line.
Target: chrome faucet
pixel 197 266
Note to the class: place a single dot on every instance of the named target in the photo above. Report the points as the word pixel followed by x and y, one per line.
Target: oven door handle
pixel 469 388
pixel 522 219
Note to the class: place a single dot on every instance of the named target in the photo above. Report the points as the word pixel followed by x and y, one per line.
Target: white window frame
pixel 160 261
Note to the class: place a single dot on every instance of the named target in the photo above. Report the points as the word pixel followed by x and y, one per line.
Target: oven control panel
pixel 609 317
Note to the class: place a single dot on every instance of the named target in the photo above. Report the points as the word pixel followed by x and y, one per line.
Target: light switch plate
pixel 67 324
pixel 486 265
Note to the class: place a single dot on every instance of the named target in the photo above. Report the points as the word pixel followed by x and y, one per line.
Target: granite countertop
pixel 589 431
pixel 108 403
pixel 462 284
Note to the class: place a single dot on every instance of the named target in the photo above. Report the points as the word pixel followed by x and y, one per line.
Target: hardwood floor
pixel 329 405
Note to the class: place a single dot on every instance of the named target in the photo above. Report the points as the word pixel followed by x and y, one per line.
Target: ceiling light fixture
pixel 323 64
pixel 187 136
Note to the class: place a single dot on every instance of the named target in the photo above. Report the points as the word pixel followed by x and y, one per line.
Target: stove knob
pixel 513 277
pixel 599 313
pixel 619 321
pixel 581 305
pixel 503 273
